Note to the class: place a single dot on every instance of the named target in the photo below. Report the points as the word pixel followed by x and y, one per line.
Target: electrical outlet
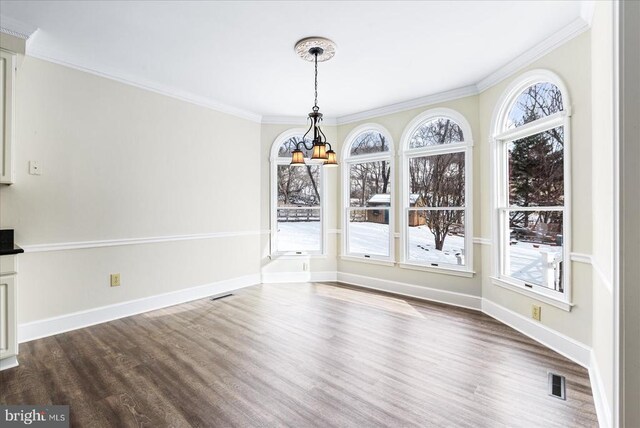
pixel 536 312
pixel 34 168
pixel 115 279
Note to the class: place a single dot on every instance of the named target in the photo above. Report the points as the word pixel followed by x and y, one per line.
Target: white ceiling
pixel 240 54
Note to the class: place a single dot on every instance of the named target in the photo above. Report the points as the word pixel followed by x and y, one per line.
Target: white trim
pixel 8 363
pixel 151 86
pixel 482 241
pixel 326 276
pixel 548 44
pixel 73 321
pixel 345 178
pixel 16 28
pixel 285 277
pixel 561 304
pixel 334 231
pixel 298 277
pixel 425 101
pixel 370 260
pixel 295 120
pixel 438 269
pixel 587 8
pixel 595 266
pixel 564 345
pixel 410 290
pixel 603 410
pixel 581 258
pixel 63 246
pixel 499 137
pixel 466 147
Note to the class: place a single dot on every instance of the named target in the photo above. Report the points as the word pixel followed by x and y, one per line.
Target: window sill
pixel 368 260
pixel 561 304
pixel 297 256
pixel 439 269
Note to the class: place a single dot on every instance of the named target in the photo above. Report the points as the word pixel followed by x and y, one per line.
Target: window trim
pixel 465 147
pixel 274 162
pixel 500 136
pixel 347 161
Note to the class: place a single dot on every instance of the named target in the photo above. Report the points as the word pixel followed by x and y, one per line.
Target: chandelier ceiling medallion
pixel 316 49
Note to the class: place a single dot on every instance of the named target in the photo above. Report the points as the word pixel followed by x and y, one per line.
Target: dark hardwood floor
pixel 300 355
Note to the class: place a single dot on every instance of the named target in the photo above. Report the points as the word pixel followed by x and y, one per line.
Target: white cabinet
pixel 8 319
pixel 7 91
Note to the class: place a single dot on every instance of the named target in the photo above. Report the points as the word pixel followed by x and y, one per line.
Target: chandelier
pixel 316 49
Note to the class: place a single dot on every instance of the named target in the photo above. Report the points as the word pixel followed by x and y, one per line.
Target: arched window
pixel 368 194
pixel 436 192
pixel 297 226
pixel 531 177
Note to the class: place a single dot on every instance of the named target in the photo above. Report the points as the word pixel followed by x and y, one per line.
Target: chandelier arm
pixel 303 139
pixel 324 136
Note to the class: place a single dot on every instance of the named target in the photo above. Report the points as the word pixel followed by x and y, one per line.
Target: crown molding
pixel 572 30
pixel 153 87
pixel 586 10
pixel 295 120
pixel 16 28
pixel 453 94
pixel 567 33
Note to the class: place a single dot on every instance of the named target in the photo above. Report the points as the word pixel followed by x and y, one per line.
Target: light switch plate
pixel 115 279
pixel 34 168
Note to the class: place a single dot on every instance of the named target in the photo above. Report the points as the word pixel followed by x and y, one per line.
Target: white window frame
pixel 347 161
pixel 275 161
pixel 465 147
pixel 500 137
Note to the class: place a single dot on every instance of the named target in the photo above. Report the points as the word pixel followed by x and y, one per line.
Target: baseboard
pixel 328 276
pixel 564 345
pixel 285 277
pixel 411 290
pixel 50 326
pixel 599 397
pixel 8 363
pixel 288 277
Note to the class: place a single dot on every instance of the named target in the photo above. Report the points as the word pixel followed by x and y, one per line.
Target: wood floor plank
pixel 301 355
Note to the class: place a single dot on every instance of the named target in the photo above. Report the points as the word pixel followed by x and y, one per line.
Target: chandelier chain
pixel 316 80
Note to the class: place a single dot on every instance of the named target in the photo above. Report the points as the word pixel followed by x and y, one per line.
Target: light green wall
pixel 120 162
pixel 572 63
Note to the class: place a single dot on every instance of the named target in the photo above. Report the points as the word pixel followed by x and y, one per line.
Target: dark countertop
pixel 6 250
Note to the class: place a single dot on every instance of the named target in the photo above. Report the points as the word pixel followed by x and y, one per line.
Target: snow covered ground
pixel 299 236
pixel 422 247
pixel 369 238
pixel 527 262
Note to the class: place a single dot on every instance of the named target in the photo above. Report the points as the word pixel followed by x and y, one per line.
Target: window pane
pixel 436 237
pixel 299 230
pixel 435 132
pixel 298 186
pixel 437 181
pixel 369 142
pixel 370 184
pixel 536 169
pixel 369 232
pixel 535 248
pixel 537 101
pixel 290 145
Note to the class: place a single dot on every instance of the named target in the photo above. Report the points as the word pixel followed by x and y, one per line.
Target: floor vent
pixel 557 386
pixel 221 296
